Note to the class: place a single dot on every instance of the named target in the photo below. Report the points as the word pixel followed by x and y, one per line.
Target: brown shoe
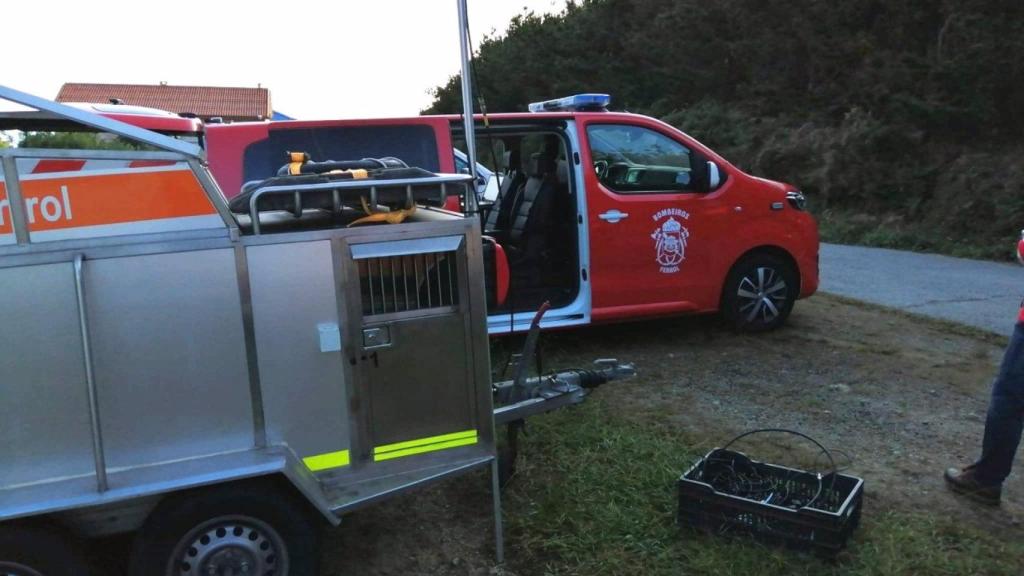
pixel 963 481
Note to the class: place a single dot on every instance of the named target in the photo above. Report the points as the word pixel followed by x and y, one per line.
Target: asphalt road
pixel 974 292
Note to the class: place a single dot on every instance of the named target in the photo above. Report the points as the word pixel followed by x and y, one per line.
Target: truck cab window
pixel 631 159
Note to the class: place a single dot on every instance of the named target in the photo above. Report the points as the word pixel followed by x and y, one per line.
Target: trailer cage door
pixel 413 346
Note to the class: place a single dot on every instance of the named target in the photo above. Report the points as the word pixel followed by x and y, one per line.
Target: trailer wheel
pixel 759 293
pixel 248 528
pixel 37 551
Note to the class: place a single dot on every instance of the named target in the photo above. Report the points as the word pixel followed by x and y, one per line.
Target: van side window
pixel 631 159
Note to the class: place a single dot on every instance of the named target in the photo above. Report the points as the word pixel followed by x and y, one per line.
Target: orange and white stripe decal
pixel 108 202
pixel 50 165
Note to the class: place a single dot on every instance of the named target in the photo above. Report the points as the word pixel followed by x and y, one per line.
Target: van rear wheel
pixel 759 293
pixel 37 551
pixel 247 528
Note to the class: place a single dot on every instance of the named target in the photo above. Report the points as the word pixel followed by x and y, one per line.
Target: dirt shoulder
pixel 904 396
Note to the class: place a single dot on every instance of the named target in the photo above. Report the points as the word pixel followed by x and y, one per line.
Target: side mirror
pixel 714 176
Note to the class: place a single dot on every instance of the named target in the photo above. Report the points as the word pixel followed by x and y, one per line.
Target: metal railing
pixel 369 187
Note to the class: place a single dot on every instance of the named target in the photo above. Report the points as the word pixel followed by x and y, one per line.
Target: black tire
pixel 759 293
pixel 37 551
pixel 257 523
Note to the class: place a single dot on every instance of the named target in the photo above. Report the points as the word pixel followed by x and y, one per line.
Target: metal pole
pixel 90 381
pixel 467 103
pixel 15 202
pixel 499 535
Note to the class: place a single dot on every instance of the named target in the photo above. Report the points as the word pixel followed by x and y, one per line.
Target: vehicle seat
pixel 527 233
pixel 499 215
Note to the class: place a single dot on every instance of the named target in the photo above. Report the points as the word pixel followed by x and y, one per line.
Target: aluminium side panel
pixel 302 370
pixel 44 425
pixel 169 355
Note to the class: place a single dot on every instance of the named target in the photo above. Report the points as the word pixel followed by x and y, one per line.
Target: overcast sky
pixel 320 59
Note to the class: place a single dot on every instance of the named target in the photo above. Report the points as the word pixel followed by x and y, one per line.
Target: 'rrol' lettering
pixel 49 208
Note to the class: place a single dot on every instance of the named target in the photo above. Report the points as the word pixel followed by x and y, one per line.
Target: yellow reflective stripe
pixel 426 448
pixel 421 441
pixel 326 461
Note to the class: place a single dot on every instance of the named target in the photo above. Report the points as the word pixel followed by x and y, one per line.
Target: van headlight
pixel 796 199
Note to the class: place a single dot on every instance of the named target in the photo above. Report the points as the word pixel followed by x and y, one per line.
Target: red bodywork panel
pixel 721 227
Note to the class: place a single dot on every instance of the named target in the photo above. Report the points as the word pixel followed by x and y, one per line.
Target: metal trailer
pixel 217 380
pixel 153 360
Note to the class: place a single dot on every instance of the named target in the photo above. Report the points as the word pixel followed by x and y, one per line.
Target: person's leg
pixel 1005 418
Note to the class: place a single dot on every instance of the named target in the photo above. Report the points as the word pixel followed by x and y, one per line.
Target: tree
pixel 905 111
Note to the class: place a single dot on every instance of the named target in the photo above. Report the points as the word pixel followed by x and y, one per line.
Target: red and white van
pixel 608 216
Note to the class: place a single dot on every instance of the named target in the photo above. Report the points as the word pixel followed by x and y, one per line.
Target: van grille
pixel 406 283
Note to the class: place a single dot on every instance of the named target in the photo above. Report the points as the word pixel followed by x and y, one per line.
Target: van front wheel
pixel 759 293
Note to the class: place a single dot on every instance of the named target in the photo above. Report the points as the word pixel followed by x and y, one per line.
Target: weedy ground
pixel 594 491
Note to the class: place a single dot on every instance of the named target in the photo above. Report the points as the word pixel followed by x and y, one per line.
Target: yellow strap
pixel 327 461
pixel 395 217
pixel 295 168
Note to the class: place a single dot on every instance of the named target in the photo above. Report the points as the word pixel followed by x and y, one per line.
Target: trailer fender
pixel 77 503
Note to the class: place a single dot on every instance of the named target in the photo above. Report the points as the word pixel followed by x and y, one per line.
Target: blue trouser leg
pixel 1005 415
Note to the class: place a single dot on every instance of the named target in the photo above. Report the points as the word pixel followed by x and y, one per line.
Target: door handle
pixel 613 216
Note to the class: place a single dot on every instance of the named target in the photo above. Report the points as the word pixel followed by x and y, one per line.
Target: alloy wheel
pixel 761 295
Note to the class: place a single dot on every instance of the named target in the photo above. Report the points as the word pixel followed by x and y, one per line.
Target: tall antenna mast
pixel 467 103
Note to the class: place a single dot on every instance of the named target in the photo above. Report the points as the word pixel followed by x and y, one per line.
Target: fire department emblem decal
pixel 670 238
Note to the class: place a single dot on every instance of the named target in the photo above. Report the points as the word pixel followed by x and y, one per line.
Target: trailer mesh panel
pixel 408 283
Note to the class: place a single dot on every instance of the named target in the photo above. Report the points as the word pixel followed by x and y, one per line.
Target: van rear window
pixel 416 145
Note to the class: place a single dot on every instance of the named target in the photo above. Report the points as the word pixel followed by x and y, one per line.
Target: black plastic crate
pixel 726 492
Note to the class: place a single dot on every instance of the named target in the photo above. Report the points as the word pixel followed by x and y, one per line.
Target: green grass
pixel 848 228
pixel 595 495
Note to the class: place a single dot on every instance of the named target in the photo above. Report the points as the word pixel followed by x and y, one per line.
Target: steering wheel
pixel 601 167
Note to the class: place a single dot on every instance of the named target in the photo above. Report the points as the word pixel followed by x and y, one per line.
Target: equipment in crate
pixel 385 190
pixel 728 492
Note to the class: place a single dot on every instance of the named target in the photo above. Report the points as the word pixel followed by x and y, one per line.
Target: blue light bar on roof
pixel 576 103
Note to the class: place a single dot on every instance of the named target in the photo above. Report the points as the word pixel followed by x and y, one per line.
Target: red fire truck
pixel 608 216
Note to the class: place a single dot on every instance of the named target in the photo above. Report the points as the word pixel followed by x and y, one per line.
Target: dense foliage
pixel 76 141
pixel 904 117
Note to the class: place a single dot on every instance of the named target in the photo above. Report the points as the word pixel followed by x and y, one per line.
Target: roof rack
pixel 102 123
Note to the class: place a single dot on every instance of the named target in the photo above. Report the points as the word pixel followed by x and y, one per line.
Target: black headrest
pixel 515 161
pixel 540 165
